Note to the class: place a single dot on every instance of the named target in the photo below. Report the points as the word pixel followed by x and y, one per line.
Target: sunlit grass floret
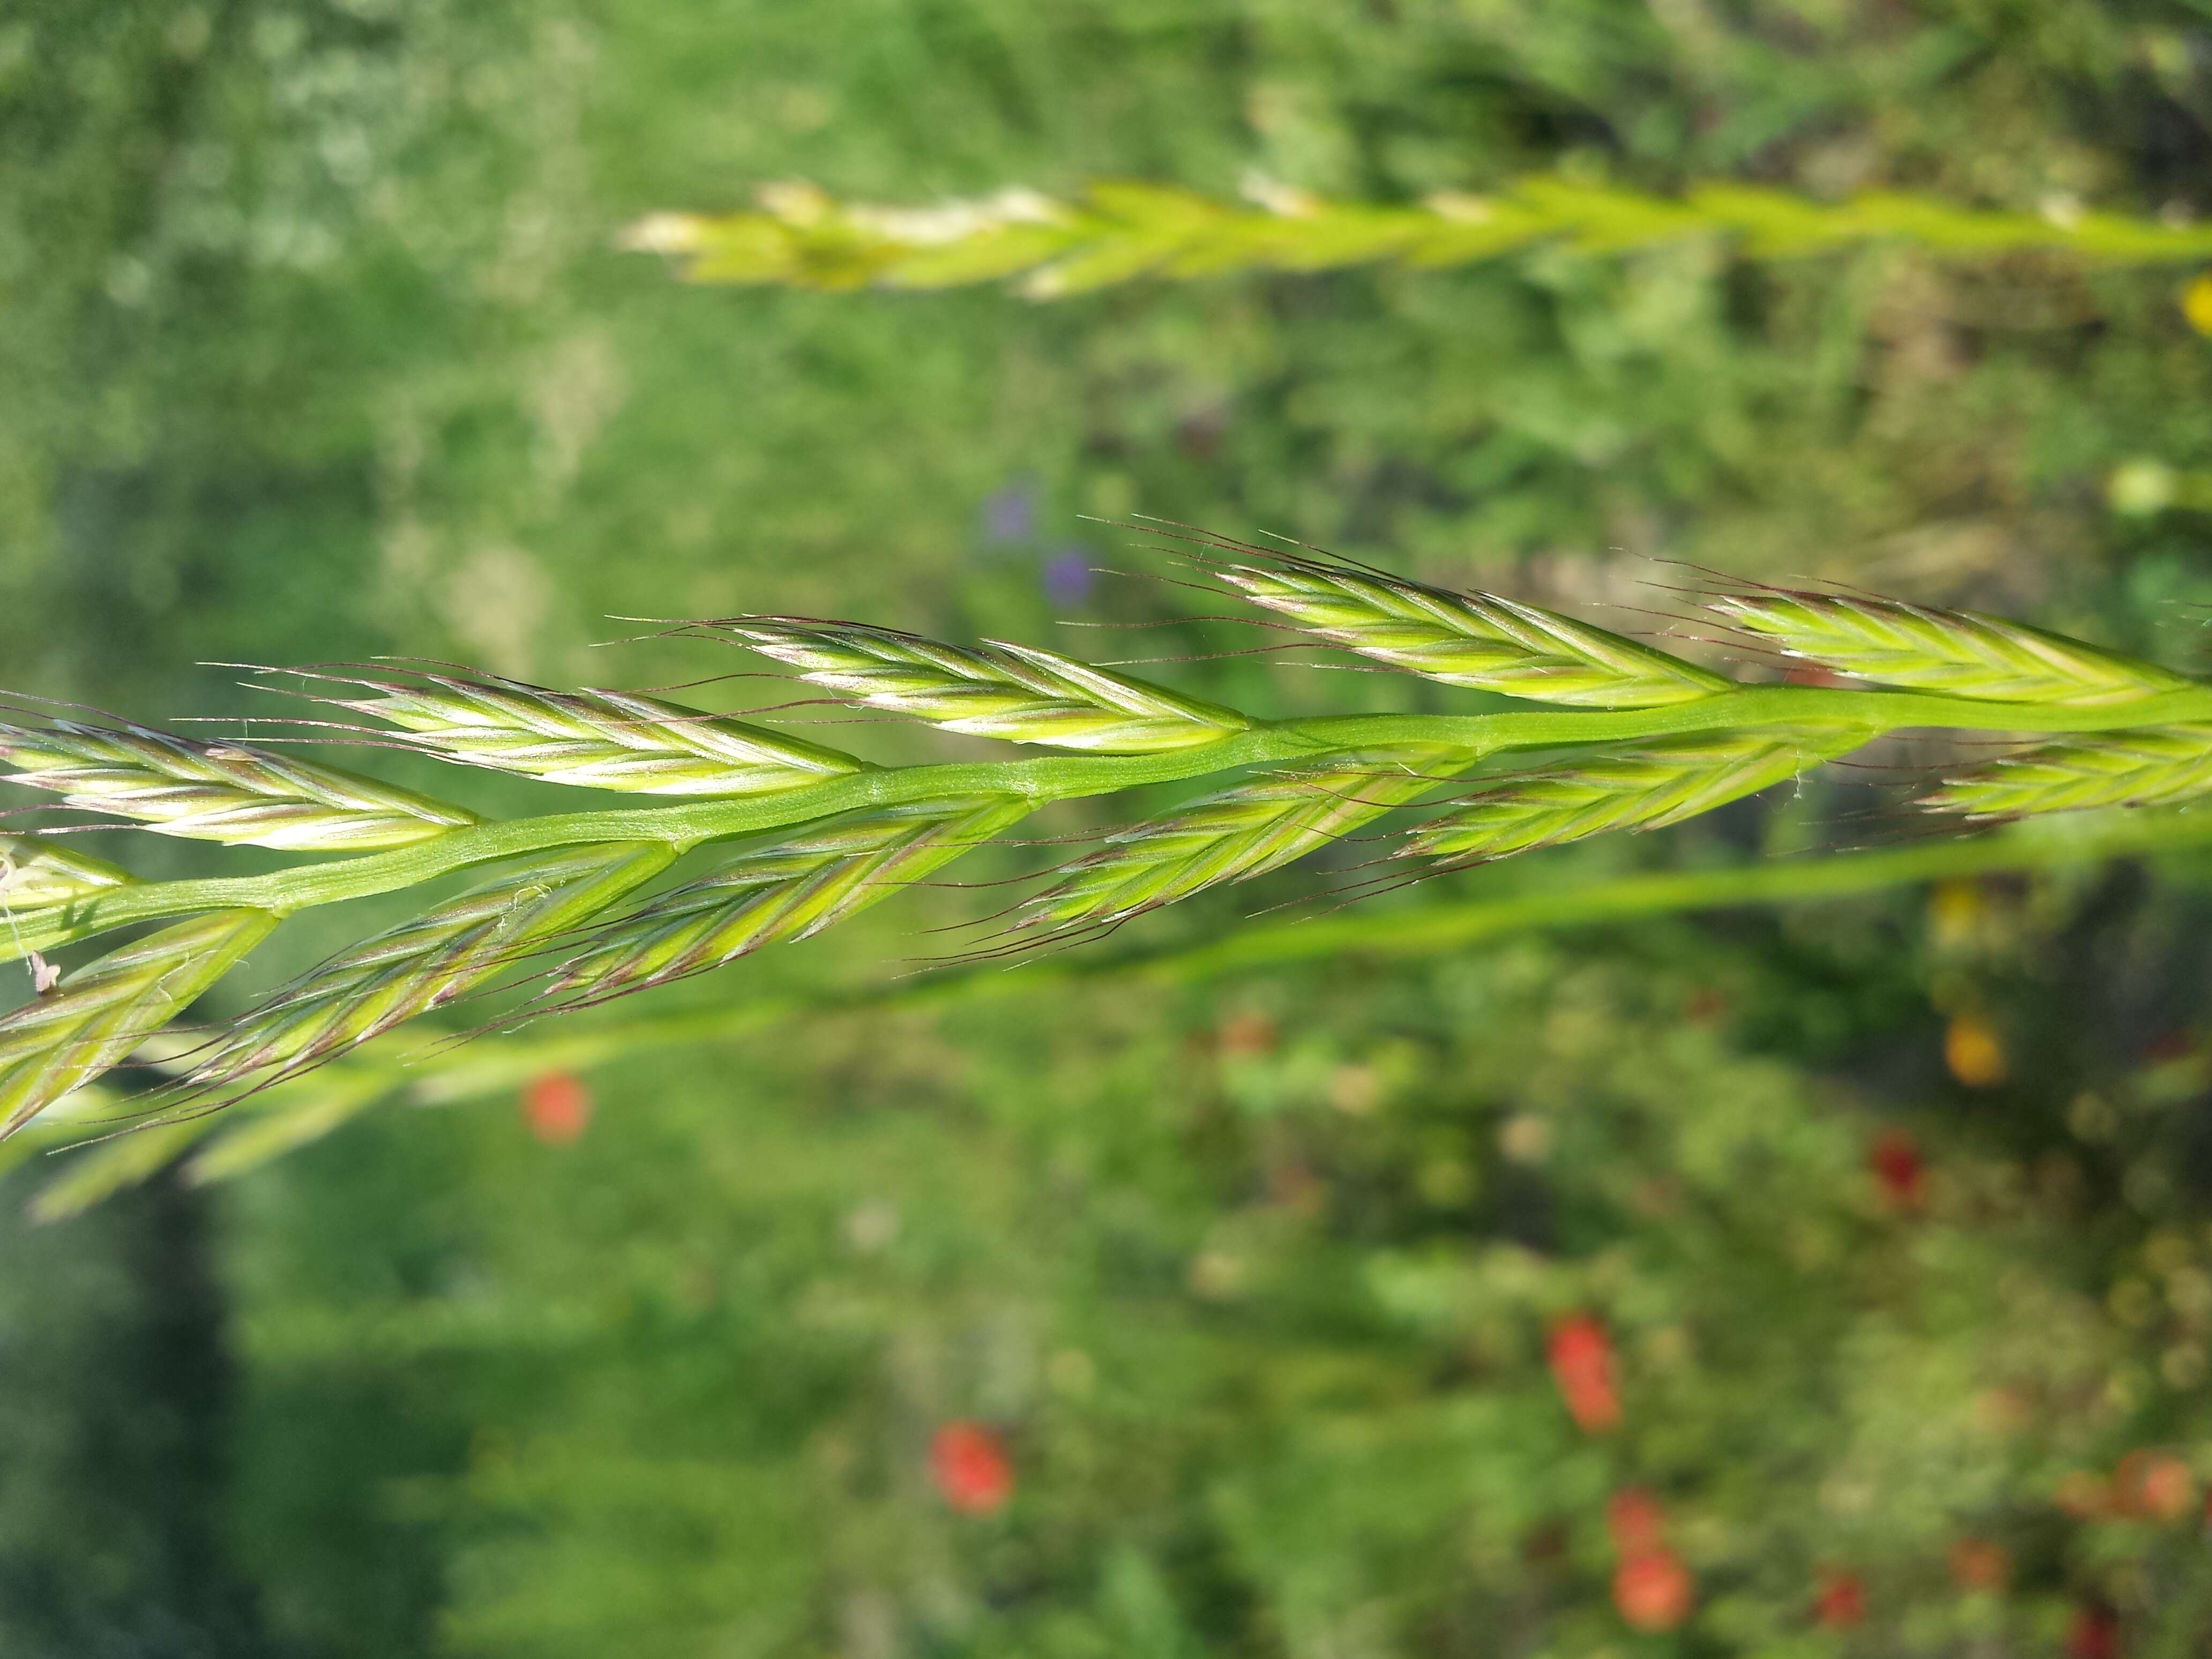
pixel 92 1021
pixel 1646 787
pixel 221 791
pixel 598 739
pixel 791 889
pixel 1960 652
pixel 2156 766
pixel 1238 833
pixel 1478 640
pixel 1017 692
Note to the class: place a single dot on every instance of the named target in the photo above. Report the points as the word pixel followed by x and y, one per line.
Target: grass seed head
pixel 426 963
pixel 1478 640
pixel 104 1010
pixel 790 889
pixel 594 739
pixel 222 791
pixel 1958 653
pixel 1645 786
pixel 1245 831
pixel 1017 692
pixel 2152 766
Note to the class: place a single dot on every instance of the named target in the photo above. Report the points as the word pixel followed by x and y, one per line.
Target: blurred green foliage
pixel 316 344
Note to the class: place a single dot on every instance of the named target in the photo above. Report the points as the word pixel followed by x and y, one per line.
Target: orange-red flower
pixel 1842 1601
pixel 1654 1591
pixel 1894 1157
pixel 1977 1564
pixel 1580 1350
pixel 971 1468
pixel 2157 1485
pixel 2096 1634
pixel 556 1107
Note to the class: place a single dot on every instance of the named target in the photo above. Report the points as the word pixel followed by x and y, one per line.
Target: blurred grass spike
pixel 1119 230
pixel 789 890
pixel 1017 692
pixel 1960 654
pixel 427 963
pixel 220 792
pixel 2156 766
pixel 104 1010
pixel 1643 788
pixel 1473 639
pixel 1238 833
pixel 598 739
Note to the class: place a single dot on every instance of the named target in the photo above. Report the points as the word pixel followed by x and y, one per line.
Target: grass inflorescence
pixel 1119 231
pixel 582 907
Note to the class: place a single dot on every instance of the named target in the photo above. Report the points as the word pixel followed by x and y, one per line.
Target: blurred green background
pixel 314 344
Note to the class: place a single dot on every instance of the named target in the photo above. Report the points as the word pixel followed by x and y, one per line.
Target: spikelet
pixel 1240 833
pixel 1117 231
pixel 998 690
pixel 223 791
pixel 423 963
pixel 789 890
pixel 1645 786
pixel 1474 640
pixel 36 874
pixel 2152 766
pixel 101 1013
pixel 596 739
pixel 1961 654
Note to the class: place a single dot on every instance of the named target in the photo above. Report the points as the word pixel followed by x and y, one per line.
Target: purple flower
pixel 1067 577
pixel 1009 514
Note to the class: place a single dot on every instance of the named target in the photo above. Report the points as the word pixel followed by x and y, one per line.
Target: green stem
pixel 1062 777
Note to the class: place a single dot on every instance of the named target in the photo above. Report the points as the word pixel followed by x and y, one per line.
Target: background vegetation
pixel 1893 1213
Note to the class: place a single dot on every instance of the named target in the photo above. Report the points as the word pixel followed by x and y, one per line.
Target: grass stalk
pixel 691 823
pixel 1643 739
pixel 1120 232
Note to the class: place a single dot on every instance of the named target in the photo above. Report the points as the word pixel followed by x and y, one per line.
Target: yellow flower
pixel 1974 1052
pixel 2197 303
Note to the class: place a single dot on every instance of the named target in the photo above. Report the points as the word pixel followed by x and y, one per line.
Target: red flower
pixel 2154 1484
pixel 1978 1565
pixel 971 1468
pixel 1581 1354
pixel 1894 1157
pixel 556 1107
pixel 1634 1518
pixel 1654 1591
pixel 1842 1602
pixel 2096 1634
